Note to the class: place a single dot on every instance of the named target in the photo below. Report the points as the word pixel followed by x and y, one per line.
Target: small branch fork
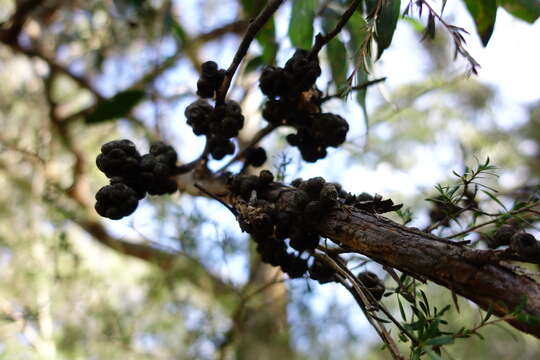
pixel 455 33
pixel 252 30
pixel 358 87
pixel 321 40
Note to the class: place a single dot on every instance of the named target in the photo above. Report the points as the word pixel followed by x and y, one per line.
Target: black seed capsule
pixel 274 82
pixel 116 201
pixel 328 195
pixel 502 236
pixel 313 212
pixel 372 283
pixel 525 244
pixel 283 225
pixel 294 266
pixel 255 156
pixel 313 186
pixel 322 272
pixel 297 182
pixel 118 158
pixel 303 70
pixel 199 116
pixel 265 178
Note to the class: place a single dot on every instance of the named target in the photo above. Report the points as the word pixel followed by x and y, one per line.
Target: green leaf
pixel 494 198
pixel 337 56
pixel 385 24
pixel 401 310
pixel 252 8
pixel 118 106
pixel 336 51
pixel 440 340
pixel 301 23
pixel 484 13
pixel 266 37
pixel 357 27
pixel 254 64
pixel 175 28
pixel 528 10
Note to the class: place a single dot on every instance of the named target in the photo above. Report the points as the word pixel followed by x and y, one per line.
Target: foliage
pixel 178 279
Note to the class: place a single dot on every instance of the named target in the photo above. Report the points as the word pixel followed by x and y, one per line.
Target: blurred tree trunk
pixel 264 332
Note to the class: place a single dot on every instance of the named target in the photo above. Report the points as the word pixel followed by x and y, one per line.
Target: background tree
pixel 184 286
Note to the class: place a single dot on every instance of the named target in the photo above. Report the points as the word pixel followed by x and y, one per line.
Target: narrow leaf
pixel 494 198
pixel 440 340
pixel 176 29
pixel 528 10
pixel 386 24
pixel 337 56
pixel 301 23
pixel 401 310
pixel 254 64
pixel 118 106
pixel 484 13
pixel 357 27
pixel 488 314
pixel 336 51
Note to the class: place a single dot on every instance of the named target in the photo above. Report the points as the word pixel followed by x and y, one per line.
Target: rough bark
pixel 478 275
pixel 465 271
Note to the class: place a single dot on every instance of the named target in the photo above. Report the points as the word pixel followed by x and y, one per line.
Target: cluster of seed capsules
pixel 294 101
pixel 132 176
pixel 520 242
pixel 218 123
pixel 284 225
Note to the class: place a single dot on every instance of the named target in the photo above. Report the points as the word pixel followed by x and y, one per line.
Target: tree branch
pixel 24 8
pixel 321 40
pixel 361 86
pixel 460 269
pixel 254 26
pixel 475 274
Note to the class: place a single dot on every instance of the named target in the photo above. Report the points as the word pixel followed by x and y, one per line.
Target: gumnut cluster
pixel 132 176
pixel 218 124
pixel 293 100
pixel 299 75
pixel 520 242
pixel 323 130
pixel 210 80
pixel 283 220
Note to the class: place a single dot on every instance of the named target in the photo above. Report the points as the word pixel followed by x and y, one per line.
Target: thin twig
pixel 254 141
pixel 252 30
pixel 376 325
pixel 215 197
pixel 17 21
pixel 465 232
pixel 456 36
pixel 365 294
pixel 321 40
pixel 361 297
pixel 353 279
pixel 361 86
